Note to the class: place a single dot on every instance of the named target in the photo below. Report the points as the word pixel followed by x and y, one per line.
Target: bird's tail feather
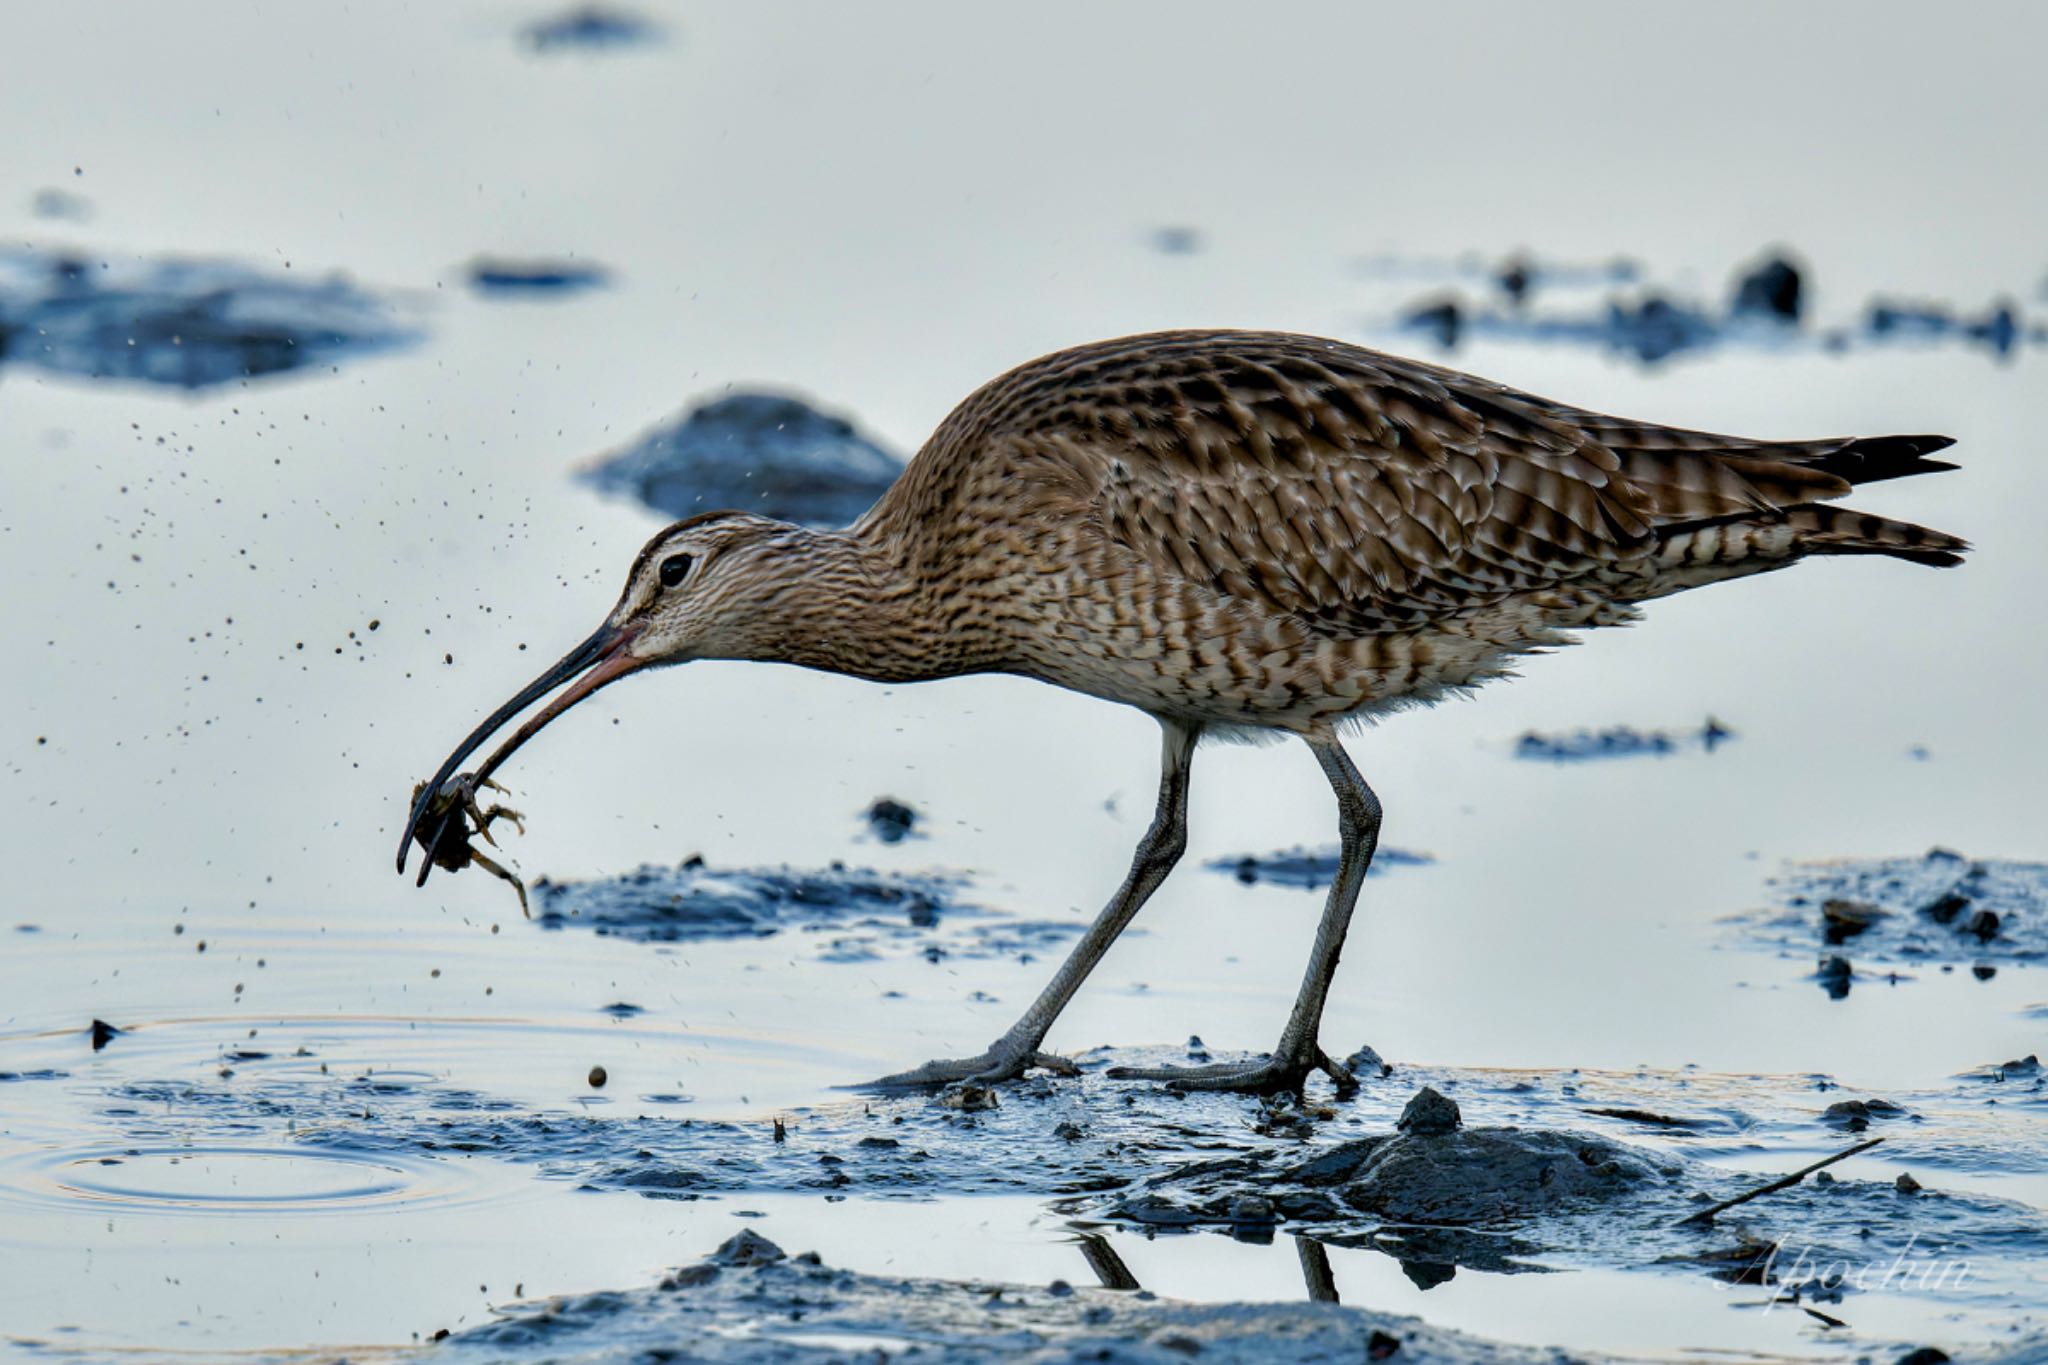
pixel 1823 530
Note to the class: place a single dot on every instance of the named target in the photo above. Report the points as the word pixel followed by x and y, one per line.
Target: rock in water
pixel 754 452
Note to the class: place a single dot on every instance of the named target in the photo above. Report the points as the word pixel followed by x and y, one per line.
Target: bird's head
pixel 693 593
pixel 695 589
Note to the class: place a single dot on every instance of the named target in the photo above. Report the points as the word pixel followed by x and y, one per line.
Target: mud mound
pixel 1430 1172
pixel 750 1301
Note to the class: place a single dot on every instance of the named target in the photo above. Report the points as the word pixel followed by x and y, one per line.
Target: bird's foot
pixel 1002 1062
pixel 1279 1073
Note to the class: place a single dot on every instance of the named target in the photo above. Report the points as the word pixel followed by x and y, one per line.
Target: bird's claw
pixel 996 1065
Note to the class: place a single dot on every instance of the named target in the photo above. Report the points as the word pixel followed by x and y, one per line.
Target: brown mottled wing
pixel 1358 490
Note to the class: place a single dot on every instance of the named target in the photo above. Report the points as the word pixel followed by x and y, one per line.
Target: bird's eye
pixel 673 570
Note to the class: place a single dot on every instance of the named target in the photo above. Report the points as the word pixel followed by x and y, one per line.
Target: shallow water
pixel 210 742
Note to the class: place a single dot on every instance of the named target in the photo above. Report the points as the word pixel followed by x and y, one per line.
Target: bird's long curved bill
pixel 600 660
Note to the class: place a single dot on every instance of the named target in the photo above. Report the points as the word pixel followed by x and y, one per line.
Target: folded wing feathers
pixel 1339 483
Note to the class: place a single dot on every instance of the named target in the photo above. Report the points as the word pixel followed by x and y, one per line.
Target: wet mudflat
pixel 255 601
pixel 1550 1170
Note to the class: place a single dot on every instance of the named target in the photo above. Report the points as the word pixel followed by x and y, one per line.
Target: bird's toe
pixel 991 1067
pixel 1269 1075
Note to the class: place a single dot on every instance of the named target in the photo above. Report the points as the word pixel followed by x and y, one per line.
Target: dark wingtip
pixel 1873 459
pixel 1902 445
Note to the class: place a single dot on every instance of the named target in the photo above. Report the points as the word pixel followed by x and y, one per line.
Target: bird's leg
pixel 1016 1052
pixel 1315 1270
pixel 1289 1064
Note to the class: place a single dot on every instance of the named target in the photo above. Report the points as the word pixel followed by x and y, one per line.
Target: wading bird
pixel 1233 532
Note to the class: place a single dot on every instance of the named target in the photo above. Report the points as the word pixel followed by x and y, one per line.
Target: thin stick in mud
pixel 1706 1215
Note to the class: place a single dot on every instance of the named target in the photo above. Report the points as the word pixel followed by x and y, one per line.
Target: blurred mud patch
pixel 502 277
pixel 1523 298
pixel 751 1301
pixel 1619 741
pixel 591 28
pixel 190 324
pixel 854 915
pixel 755 452
pixel 1308 869
pixel 1940 909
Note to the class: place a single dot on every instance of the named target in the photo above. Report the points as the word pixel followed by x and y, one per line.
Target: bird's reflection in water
pixel 1319 1280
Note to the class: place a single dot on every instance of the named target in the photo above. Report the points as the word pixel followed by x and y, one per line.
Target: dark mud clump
pixel 190 324
pixel 492 275
pixel 1772 290
pixel 1620 741
pixel 1940 908
pixel 1308 869
pixel 854 913
pixel 754 452
pixel 752 1301
pixel 890 820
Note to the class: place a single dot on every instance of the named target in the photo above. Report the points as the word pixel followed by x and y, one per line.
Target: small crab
pixel 451 816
